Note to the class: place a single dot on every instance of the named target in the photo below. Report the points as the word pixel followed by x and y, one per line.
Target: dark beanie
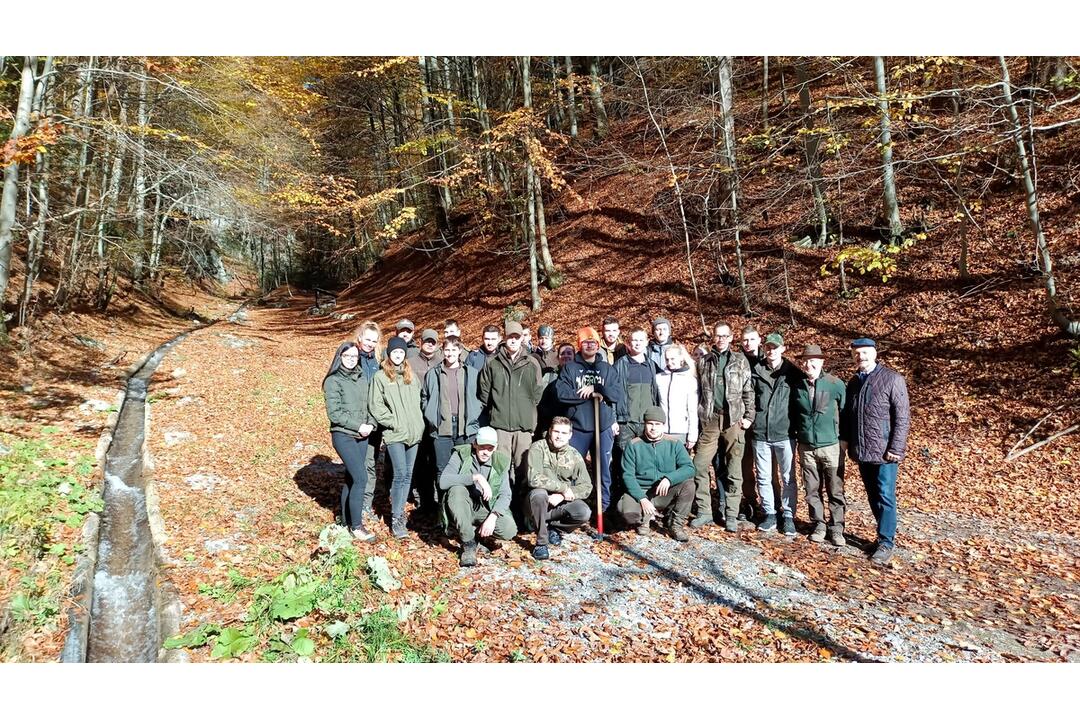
pixel 655 414
pixel 396 343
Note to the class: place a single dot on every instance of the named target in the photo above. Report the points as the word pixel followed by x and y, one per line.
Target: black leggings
pixel 353 452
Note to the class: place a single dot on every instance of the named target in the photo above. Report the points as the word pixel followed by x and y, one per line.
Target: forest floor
pixel 247 480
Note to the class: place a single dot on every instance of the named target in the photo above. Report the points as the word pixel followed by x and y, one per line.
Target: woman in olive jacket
pixel 395 405
pixel 346 392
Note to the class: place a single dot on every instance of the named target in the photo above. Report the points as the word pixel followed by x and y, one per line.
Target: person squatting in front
pixel 658 474
pixel 558 485
pixel 476 493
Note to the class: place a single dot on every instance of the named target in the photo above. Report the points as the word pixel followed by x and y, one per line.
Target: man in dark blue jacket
pixel 587 377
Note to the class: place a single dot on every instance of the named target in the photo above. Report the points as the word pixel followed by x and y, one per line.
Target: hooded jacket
pixel 655 352
pixel 577 374
pixel 346 396
pixel 679 399
pixel 510 390
pixel 430 400
pixel 396 405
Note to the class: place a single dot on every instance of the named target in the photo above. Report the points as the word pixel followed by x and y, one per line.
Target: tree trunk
pixel 140 181
pixel 571 97
pixel 439 198
pixel 727 108
pixel 9 197
pixel 83 108
pixel 892 209
pixel 597 98
pixel 1071 326
pixel 36 237
pixel 813 160
pixel 765 94
pixel 530 192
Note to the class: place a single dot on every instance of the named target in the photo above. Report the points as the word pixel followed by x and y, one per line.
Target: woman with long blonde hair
pixel 395 404
pixel 678 388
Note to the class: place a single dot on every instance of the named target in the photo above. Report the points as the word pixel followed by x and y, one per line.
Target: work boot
pixel 819 533
pixel 643 529
pixel 678 532
pixel 468 554
pixel 397 527
pixel 554 537
pixel 701 521
pixel 836 536
pixel 540 552
pixel 731 525
pixel 768 524
pixel 882 555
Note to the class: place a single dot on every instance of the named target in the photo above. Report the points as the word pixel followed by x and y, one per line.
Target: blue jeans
pixel 353 452
pixel 880 484
pixel 402 456
pixel 583 442
pixel 779 453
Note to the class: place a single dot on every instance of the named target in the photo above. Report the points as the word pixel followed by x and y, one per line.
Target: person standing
pixel 818 404
pixel 751 504
pixel 482 355
pixel 661 338
pixel 725 410
pixel 395 403
pixel 658 474
pixel 549 406
pixel 450 403
pixel 678 389
pixel 585 378
pixel 368 337
pixel 546 353
pixel 429 356
pixel 404 330
pixel 509 390
pixel 875 425
pixel 451 329
pixel 345 390
pixel 558 485
pixel 610 345
pixel 424 488
pixel 640 391
pixel 774 434
pixel 476 493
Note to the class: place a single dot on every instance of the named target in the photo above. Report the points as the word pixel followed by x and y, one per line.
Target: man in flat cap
pixel 816 408
pixel 875 424
pixel 658 475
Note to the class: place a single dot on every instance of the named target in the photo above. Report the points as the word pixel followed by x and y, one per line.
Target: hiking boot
pixel 540 552
pixel 731 525
pixel 818 535
pixel 360 533
pixel 836 537
pixel 882 555
pixel 679 534
pixel 701 521
pixel 768 524
pixel 468 554
pixel 554 537
pixel 643 529
pixel 397 527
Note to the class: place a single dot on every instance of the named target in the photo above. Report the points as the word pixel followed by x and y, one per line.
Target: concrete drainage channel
pixel 123 611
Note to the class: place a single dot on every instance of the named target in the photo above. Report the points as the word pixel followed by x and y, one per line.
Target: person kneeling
pixel 656 470
pixel 476 483
pixel 558 483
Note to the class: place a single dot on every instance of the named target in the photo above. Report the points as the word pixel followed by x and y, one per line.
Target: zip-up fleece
pixel 679 399
pixel 644 463
pixel 468 414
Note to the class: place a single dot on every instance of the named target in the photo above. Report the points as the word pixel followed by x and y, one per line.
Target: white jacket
pixel 679 399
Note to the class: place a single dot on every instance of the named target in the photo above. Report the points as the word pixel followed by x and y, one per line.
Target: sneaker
pixel 882 555
pixel 701 521
pixel 768 524
pixel 468 554
pixel 540 552
pixel 818 535
pixel 397 526
pixel 836 537
pixel 731 525
pixel 554 537
pixel 361 534
pixel 678 532
pixel 643 529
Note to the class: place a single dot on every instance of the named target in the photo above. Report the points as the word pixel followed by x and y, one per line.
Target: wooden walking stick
pixel 596 466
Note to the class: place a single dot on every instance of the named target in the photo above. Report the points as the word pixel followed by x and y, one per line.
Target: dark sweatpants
pixel 353 452
pixel 565 517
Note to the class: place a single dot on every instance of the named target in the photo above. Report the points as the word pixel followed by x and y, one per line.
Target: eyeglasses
pixel 721 337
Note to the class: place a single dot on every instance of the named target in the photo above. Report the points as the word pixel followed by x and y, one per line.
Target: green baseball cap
pixel 774 339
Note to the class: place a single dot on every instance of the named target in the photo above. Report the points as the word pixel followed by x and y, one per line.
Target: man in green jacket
pixel 774 435
pixel 559 484
pixel 476 483
pixel 818 402
pixel 658 474
pixel 510 388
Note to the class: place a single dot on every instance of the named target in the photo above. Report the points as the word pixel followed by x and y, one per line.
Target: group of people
pixel 495 438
